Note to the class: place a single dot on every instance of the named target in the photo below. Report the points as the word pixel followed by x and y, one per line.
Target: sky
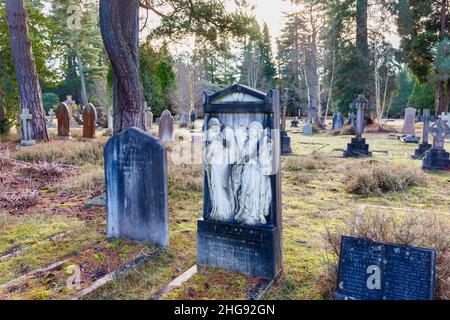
pixel 271 12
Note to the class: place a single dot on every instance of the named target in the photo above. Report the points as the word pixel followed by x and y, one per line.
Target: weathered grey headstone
pixel 89 121
pixel 409 123
pixel 241 226
pixel 371 270
pixel 148 120
pixel 110 119
pixel 70 103
pixel 308 129
pixel 437 158
pixel 184 120
pixel 51 123
pixel 166 127
pixel 25 124
pixel 62 115
pixel 136 187
pixel 338 121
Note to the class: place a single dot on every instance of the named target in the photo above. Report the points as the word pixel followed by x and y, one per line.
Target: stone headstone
pixel 166 127
pixel 136 187
pixel 102 117
pixel 27 130
pixel 425 145
pixel 308 129
pixel 192 116
pixel 294 123
pixel 51 123
pixel 70 103
pixel 62 115
pixel 358 146
pixel 148 120
pixel 371 270
pixel 110 119
pixel 241 226
pixel 338 121
pixel 184 120
pixel 409 123
pixel 437 158
pixel 89 121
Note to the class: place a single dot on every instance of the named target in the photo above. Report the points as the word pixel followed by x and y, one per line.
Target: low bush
pixel 369 179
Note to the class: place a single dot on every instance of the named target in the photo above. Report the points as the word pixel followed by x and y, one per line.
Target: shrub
pixel 407 228
pixel 305 163
pixel 370 178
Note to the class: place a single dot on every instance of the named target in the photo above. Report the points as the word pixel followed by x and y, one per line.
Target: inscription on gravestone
pixel 371 270
pixel 136 187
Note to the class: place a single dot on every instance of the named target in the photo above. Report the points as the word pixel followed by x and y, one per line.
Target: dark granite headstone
pixel 358 146
pixel 437 158
pixel 371 270
pixel 136 187
pixel 192 116
pixel 424 146
pixel 241 226
pixel 294 123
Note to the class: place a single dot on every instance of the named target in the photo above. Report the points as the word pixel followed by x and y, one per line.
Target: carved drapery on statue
pixel 238 164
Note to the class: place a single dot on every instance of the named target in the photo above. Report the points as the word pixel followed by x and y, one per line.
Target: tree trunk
pixel 362 48
pixel 119 24
pixel 84 98
pixel 440 83
pixel 447 97
pixel 27 79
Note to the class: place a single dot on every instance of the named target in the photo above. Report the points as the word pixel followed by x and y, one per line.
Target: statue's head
pixel 255 129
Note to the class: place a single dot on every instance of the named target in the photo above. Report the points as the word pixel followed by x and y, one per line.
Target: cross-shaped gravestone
pixel 25 121
pixel 439 130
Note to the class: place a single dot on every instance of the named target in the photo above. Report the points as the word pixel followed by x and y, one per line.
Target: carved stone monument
pixel 241 226
pixel 371 270
pixel 437 158
pixel 27 131
pixel 358 147
pixel 136 187
pixel 409 123
pixel 62 115
pixel 89 121
pixel 148 120
pixel 110 119
pixel 285 139
pixel 308 129
pixel 166 127
pixel 424 146
pixel 184 121
pixel 70 104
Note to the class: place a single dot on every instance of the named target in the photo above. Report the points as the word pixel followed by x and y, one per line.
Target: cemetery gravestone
pixel 136 187
pixel 62 115
pixel 409 124
pixel 51 123
pixel 27 130
pixel 285 139
pixel 241 226
pixel 437 158
pixel 148 120
pixel 424 146
pixel 371 270
pixel 166 127
pixel 184 120
pixel 110 119
pixel 358 147
pixel 193 116
pixel 70 104
pixel 294 123
pixel 89 119
pixel 308 129
pixel 338 121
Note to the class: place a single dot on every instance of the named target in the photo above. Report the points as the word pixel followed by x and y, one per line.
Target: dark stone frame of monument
pixel 264 240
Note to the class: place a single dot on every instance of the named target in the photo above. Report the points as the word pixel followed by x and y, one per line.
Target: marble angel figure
pixel 217 170
pixel 255 194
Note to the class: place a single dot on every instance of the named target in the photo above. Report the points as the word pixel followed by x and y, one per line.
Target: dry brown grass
pixel 369 178
pixel 408 228
pixel 89 182
pixel 186 177
pixel 315 161
pixel 19 201
pixel 65 152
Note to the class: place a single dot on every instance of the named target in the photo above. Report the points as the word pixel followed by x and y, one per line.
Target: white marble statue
pixel 255 193
pixel 218 173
